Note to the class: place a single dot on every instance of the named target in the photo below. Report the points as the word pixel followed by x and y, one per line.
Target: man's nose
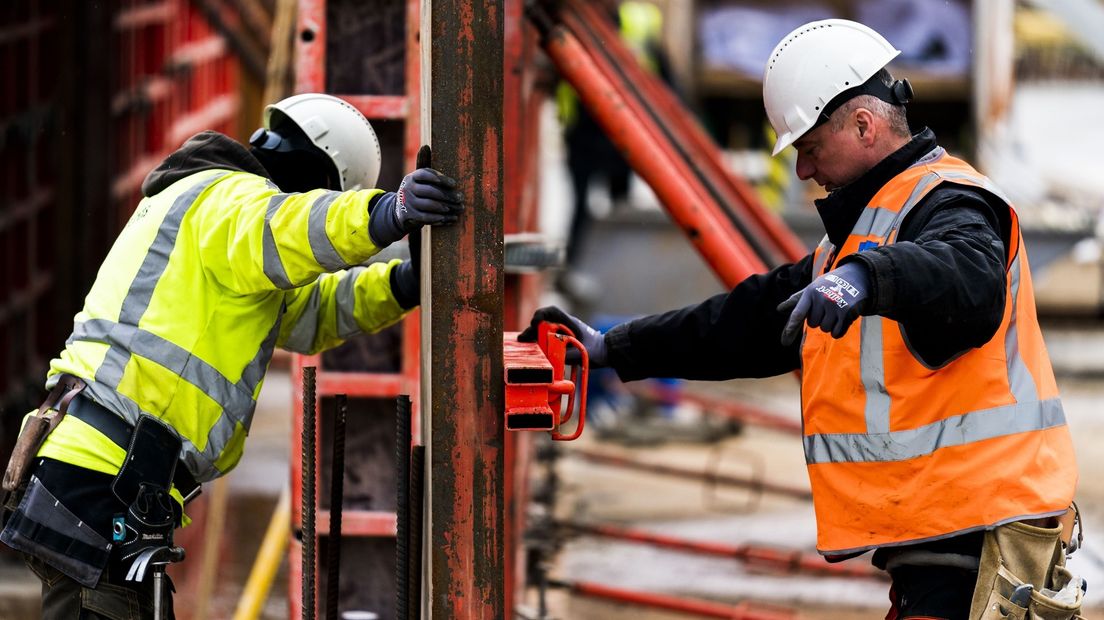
pixel 805 169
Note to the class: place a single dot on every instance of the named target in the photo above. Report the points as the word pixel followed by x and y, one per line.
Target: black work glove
pixel 831 302
pixel 593 340
pixel 425 196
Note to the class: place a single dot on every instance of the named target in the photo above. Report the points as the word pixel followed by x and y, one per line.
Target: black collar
pixel 840 209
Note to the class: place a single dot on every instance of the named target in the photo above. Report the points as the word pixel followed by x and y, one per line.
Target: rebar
pixel 402 506
pixel 309 437
pixel 337 494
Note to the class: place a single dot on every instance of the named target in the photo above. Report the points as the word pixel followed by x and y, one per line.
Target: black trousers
pixel 112 599
pixel 938 592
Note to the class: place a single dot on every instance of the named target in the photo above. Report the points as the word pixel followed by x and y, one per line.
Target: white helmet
pixel 813 64
pixel 339 130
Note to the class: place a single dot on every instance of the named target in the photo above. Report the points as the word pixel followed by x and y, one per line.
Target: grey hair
pixel 893 114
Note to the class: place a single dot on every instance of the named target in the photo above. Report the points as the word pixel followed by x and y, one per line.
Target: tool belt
pixel 66 399
pixel 1022 573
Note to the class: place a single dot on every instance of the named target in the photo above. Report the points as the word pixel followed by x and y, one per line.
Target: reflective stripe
pixel 273 266
pixel 165 353
pixel 823 251
pixel 923 186
pixel 872 368
pixel 345 300
pixel 321 246
pixel 301 337
pixel 954 431
pixel 874 222
pixel 153 265
pixel 1020 380
pixel 982 182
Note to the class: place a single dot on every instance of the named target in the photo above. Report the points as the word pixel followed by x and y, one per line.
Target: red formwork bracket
pixel 536 382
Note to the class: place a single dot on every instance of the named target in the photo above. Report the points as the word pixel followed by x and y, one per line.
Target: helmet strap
pixel 898 93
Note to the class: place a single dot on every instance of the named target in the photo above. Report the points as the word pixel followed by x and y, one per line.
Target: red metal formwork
pixel 28 193
pixel 321 65
pixel 395 115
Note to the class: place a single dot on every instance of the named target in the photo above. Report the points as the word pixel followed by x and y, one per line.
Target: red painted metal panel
pixel 381 106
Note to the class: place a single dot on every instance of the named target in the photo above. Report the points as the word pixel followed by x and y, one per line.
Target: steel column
pixel 462 315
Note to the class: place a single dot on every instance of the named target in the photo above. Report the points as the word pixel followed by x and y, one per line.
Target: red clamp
pixel 535 383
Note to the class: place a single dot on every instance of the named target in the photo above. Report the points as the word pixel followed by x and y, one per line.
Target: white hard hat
pixel 811 66
pixel 339 130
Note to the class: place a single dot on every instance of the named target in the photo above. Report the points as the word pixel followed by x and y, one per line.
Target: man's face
pixel 832 158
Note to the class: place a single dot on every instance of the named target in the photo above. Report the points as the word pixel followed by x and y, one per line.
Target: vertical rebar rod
pixel 417 499
pixel 308 499
pixel 337 495
pixel 402 505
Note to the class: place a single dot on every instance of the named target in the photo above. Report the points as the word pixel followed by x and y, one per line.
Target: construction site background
pixel 97 93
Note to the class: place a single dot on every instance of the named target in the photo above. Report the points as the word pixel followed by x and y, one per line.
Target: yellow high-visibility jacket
pixel 215 269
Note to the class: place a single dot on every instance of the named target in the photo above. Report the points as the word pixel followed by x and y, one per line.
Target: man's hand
pixel 593 340
pixel 425 197
pixel 831 302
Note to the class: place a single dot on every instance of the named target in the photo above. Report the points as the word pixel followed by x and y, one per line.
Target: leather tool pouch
pixel 43 527
pixel 1016 554
pixel 151 459
pixel 36 428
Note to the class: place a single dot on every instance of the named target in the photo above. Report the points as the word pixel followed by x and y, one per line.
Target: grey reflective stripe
pixel 273 266
pixel 140 293
pixel 321 246
pixel 165 353
pixel 301 337
pixel 954 431
pixel 824 250
pixel 923 186
pixel 981 181
pixel 872 369
pixel 254 372
pixel 1020 380
pixel 345 299
pixel 929 157
pixel 874 222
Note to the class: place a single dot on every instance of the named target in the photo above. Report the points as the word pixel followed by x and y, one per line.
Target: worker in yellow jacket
pixel 233 252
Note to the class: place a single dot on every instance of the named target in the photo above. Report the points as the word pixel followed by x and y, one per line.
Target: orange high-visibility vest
pixel 900 452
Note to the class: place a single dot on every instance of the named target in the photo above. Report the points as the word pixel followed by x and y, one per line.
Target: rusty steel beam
pixel 462 314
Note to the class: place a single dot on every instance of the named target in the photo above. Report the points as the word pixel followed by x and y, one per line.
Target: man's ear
pixel 864 123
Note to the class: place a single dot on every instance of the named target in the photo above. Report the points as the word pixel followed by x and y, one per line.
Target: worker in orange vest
pixel 933 430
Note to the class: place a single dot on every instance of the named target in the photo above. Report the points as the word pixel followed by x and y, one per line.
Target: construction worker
pixel 933 430
pixel 234 251
pixel 589 152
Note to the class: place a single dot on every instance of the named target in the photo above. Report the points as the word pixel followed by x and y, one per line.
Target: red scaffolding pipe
pixel 639 139
pixel 759 556
pixel 739 198
pixel 743 412
pixel 696 607
pixel 678 472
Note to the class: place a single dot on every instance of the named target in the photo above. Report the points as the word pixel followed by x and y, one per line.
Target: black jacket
pixel 943 280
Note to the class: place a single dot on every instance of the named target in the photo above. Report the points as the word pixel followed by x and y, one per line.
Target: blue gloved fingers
pixel 419 205
pixel 551 314
pixel 816 310
pixel 799 303
pixel 842 325
pixel 429 175
pixel 434 192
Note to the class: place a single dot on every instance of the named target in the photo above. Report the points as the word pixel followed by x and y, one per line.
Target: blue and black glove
pixel 593 340
pixel 831 302
pixel 425 197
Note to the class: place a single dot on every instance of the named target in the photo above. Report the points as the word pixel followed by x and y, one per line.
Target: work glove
pixel 406 277
pixel 831 302
pixel 425 196
pixel 593 340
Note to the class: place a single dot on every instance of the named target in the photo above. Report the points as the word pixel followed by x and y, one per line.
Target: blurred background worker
pixel 233 252
pixel 590 154
pixel 932 422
